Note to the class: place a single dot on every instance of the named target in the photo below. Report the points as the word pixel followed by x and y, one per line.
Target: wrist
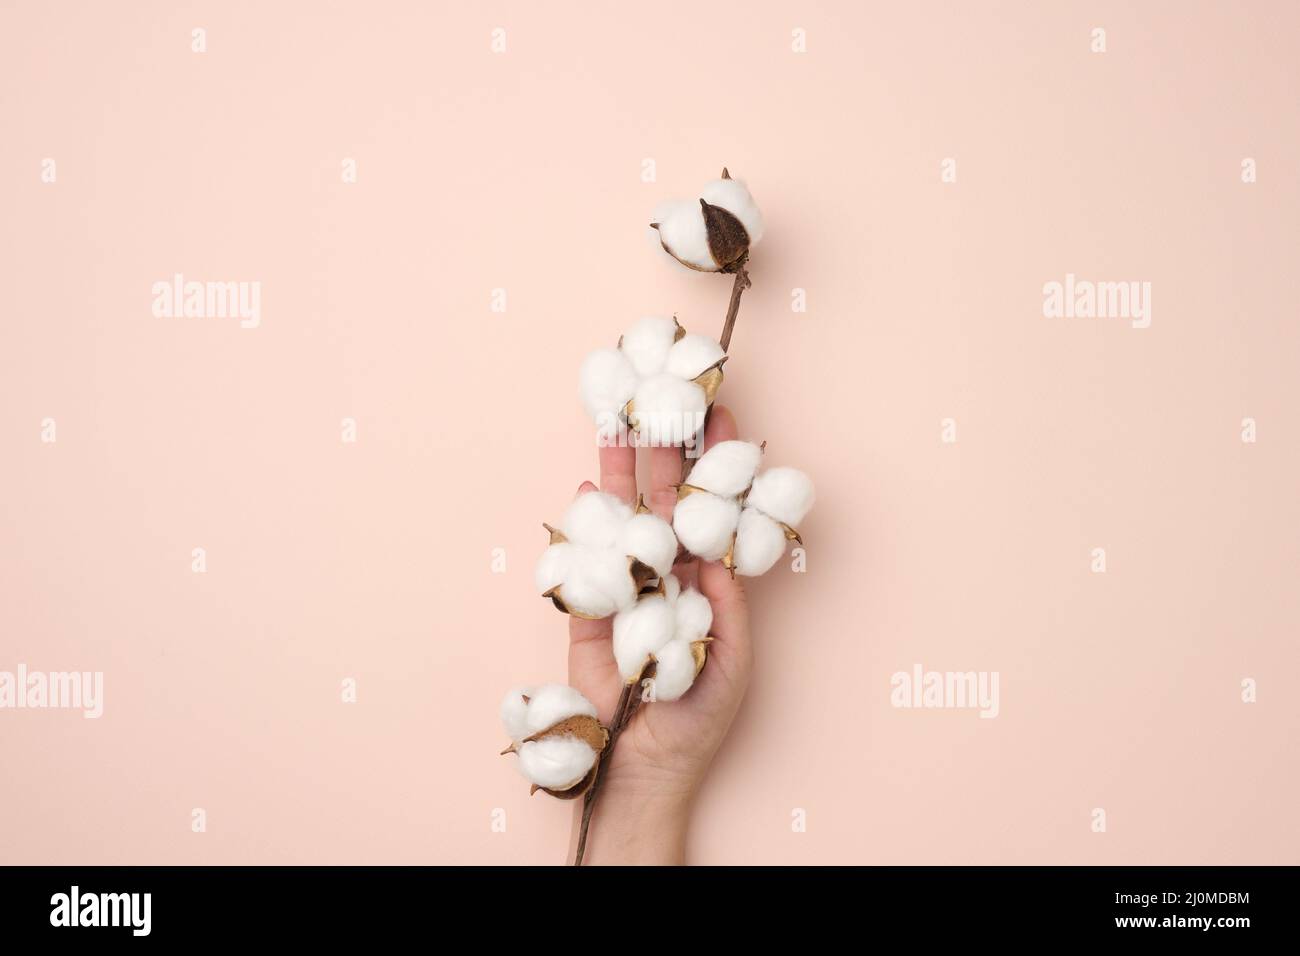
pixel 632 827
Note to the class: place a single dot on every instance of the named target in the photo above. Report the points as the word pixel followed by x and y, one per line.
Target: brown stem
pixel 733 307
pixel 628 701
pixel 616 725
pixel 728 326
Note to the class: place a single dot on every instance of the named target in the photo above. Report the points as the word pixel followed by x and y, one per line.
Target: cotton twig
pixel 628 703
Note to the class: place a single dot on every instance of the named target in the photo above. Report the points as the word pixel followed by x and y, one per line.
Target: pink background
pixel 522 171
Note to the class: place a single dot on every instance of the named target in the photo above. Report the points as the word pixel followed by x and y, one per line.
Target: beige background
pixel 522 170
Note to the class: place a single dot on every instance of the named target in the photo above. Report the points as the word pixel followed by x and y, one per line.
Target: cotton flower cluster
pixel 555 733
pixel 725 512
pixel 659 381
pixel 669 628
pixel 602 554
pixel 715 234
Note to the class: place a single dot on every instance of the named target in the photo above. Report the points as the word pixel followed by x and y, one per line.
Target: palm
pixel 668 743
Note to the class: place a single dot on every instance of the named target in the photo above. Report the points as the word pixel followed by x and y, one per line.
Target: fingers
pixel 721 427
pixel 725 593
pixel 581 630
pixel 730 608
pixel 665 473
pixel 618 471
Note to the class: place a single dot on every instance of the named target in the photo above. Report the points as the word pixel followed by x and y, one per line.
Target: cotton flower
pixel 729 513
pixel 555 733
pixel 669 629
pixel 715 234
pixel 602 555
pixel 659 381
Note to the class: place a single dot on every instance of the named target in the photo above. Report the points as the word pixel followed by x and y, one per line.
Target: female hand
pixel 663 754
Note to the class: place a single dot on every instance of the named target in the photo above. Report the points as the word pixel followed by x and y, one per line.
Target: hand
pixel 662 756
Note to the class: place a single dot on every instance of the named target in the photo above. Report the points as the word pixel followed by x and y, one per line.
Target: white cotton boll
pixel 594 519
pixel 727 468
pixel 666 409
pixel 675 672
pixel 785 494
pixel 514 713
pixel 598 583
pixel 760 542
pixel 551 703
pixel 647 343
pixel 556 763
pixel 692 354
pixel 672 588
pixel 553 566
pixel 694 616
pixel 639 631
pixel 650 540
pixel 705 523
pixel 606 380
pixel 682 231
pixel 733 196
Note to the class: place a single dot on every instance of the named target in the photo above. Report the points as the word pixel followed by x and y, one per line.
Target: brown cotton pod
pixel 700 653
pixel 587 729
pixel 685 490
pixel 642 573
pixel 557 598
pixel 656 588
pixel 583 726
pixel 711 380
pixel 728 240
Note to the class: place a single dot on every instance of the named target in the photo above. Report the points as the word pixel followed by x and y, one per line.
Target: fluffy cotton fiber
pixel 692 356
pixel 654 367
pixel 591 567
pixel 640 630
pixel 649 539
pixel 558 762
pixel 705 523
pixel 683 231
pixel 546 706
pixel 606 380
pixel 667 410
pixel 760 542
pixel 710 520
pixel 647 344
pixel 595 519
pixel 785 494
pixel 662 628
pixel 727 469
pixel 553 566
pixel 674 671
pixel 598 584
